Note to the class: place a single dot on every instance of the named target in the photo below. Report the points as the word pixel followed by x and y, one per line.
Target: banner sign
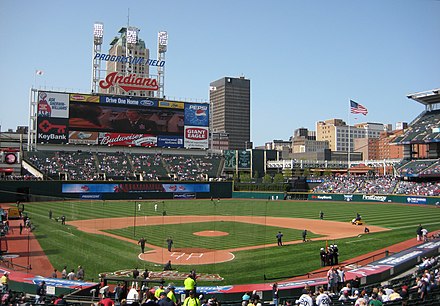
pixel 183 188
pixel 128 101
pixel 127 140
pixel 52 130
pixel 416 200
pixel 52 104
pixel 170 141
pixel 184 196
pixel 131 82
pixel 133 187
pixel 196 114
pixel 87 138
pixel 84 98
pixel 196 137
pixel 129 59
pixel 171 104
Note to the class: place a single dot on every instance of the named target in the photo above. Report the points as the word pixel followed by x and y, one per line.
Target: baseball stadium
pixel 92 202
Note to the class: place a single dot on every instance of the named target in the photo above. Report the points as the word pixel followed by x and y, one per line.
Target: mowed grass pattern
pixel 239 234
pixel 65 245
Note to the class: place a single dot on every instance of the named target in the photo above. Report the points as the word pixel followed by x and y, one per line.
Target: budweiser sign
pixel 129 82
pixel 121 139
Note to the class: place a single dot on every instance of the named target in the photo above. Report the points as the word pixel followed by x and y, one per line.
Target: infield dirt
pixel 188 256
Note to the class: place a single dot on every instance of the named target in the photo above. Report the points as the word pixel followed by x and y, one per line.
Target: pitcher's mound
pixel 211 233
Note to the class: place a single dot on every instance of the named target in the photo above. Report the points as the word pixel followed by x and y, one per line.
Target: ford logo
pixel 146 103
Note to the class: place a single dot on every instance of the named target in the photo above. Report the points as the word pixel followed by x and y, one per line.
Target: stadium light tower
pixel 98 34
pixel 162 45
pixel 131 39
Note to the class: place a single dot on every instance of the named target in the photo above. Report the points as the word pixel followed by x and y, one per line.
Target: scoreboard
pixel 109 120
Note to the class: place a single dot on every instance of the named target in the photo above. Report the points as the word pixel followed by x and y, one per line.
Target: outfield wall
pixel 378 198
pixel 29 191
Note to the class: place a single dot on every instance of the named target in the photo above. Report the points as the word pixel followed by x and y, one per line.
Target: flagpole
pixel 349 139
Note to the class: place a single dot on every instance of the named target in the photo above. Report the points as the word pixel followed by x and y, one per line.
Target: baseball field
pixel 232 238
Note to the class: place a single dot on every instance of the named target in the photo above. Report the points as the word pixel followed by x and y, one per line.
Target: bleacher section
pixel 115 166
pixel 422 130
pixel 149 166
pixel 413 168
pixel 376 185
pixel 123 166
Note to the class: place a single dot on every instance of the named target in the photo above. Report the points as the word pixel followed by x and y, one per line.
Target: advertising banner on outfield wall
pixel 379 198
pixel 134 187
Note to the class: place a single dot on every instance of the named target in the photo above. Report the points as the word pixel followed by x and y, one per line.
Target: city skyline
pixel 305 59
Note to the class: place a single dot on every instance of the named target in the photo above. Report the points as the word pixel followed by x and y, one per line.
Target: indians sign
pixel 129 82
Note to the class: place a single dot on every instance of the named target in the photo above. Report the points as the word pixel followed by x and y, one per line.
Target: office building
pixel 230 109
pixel 128 45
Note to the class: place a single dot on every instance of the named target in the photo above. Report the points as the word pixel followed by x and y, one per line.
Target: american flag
pixel 356 108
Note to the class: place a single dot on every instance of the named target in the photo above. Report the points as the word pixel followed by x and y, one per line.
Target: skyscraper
pixel 230 108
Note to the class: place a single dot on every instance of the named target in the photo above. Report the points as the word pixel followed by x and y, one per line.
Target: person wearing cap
pixel 163 300
pixel 336 254
pixel 279 237
pixel 192 299
pixel 322 299
pixel 158 291
pixel 323 256
pixel 330 261
pixel 189 283
pixel 304 235
pixel 305 299
pixel 170 293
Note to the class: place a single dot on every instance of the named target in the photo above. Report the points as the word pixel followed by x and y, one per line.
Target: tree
pixel 245 178
pixel 278 178
pixel 267 179
pixel 306 172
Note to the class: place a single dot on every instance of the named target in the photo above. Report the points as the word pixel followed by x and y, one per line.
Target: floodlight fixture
pixel 132 35
pixel 98 31
pixel 162 40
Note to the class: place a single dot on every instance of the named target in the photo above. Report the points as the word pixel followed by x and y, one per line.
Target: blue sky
pixel 306 59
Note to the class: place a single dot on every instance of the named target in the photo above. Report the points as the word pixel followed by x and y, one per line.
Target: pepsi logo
pixel 200 113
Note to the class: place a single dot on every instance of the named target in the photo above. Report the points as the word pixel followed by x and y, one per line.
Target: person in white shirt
pixel 305 299
pixel 322 299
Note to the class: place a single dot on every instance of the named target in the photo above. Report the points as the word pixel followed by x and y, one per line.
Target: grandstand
pixel 80 165
pixel 425 128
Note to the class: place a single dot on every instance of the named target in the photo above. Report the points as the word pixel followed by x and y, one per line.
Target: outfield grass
pixel 65 245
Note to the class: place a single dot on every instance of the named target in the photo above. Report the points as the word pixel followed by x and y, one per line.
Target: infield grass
pixel 65 245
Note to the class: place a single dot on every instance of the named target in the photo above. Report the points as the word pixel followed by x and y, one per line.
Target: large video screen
pixel 121 121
